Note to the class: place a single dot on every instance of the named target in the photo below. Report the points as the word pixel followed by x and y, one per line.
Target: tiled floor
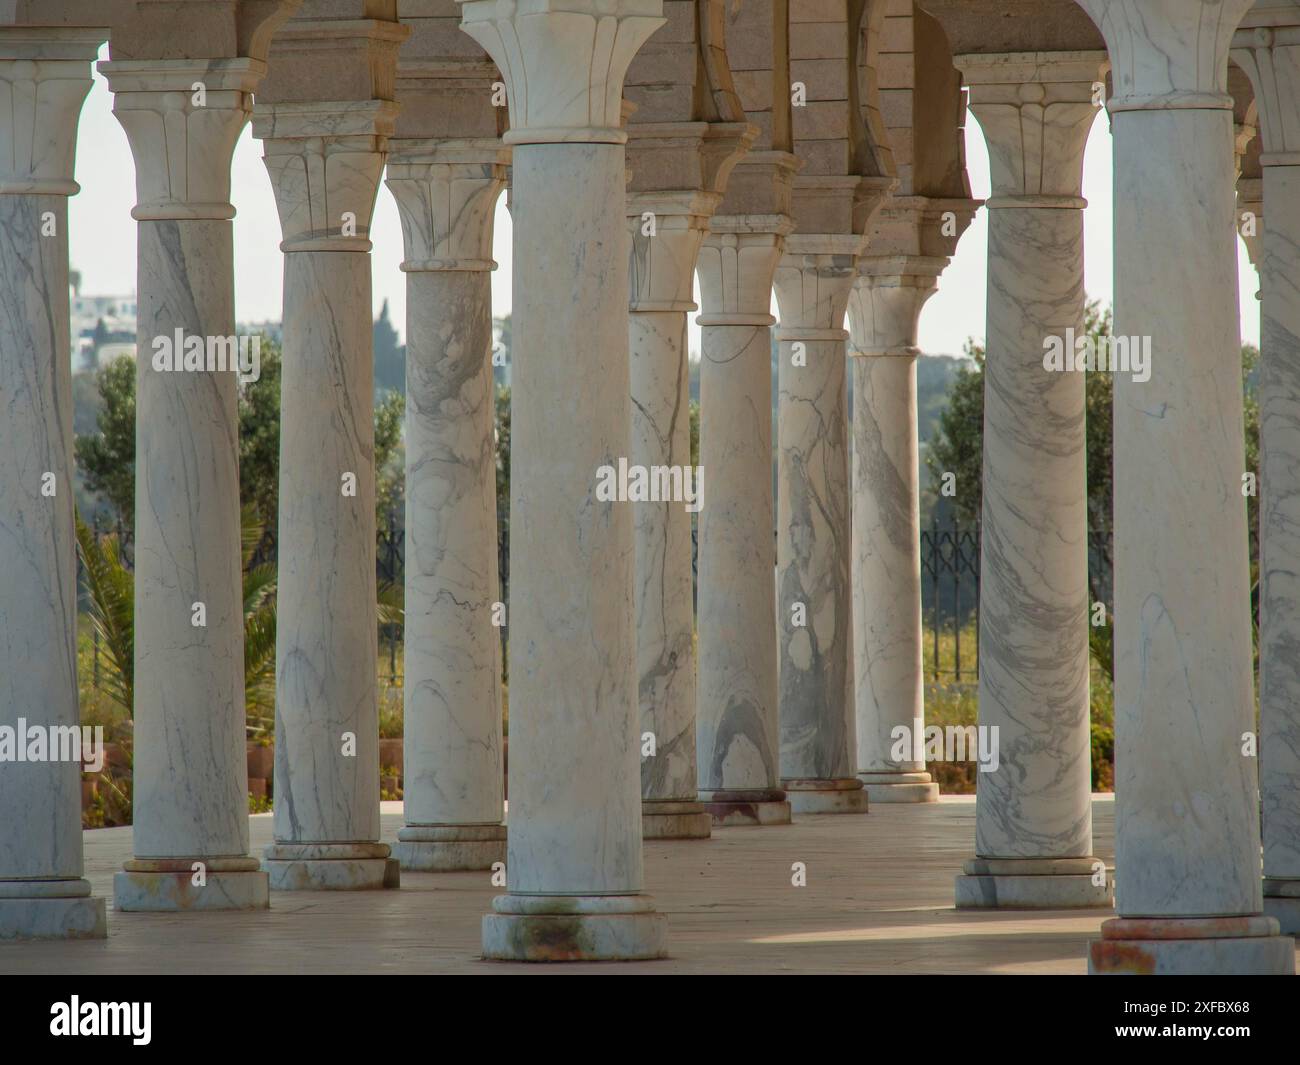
pixel 878 899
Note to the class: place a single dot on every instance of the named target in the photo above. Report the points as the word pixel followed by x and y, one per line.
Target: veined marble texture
pixel 40 830
pixel 1034 567
pixel 575 791
pixel 1279 433
pixel 737 709
pixel 1186 800
pixel 326 641
pixel 817 727
pixel 452 741
pixel 665 608
pixel 191 777
pixel 888 659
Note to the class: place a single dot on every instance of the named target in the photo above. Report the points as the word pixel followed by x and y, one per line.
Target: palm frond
pixel 111 588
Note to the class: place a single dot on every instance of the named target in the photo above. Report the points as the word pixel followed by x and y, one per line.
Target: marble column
pixel 738 727
pixel 574 867
pixel 190 769
pixel 1271 57
pixel 1187 814
pixel 889 690
pixel 44 77
pixel 1033 820
pixel 661 276
pixel 325 161
pixel 453 794
pixel 814 613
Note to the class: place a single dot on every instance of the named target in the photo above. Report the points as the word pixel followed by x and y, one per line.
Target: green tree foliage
pixel 107 458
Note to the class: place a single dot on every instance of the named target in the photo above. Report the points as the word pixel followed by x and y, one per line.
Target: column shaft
pixel 42 892
pixel 738 725
pixel 190 799
pixel 1187 803
pixel 1033 815
pixel 452 737
pixel 664 586
pixel 327 716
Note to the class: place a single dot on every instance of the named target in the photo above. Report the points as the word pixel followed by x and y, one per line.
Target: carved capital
pixel 667 231
pixel 325 159
pixel 1036 109
pixel 182 118
pixel 813 282
pixel 736 264
pixel 885 306
pixel 1270 56
pixel 44 78
pixel 446 193
pixel 1168 53
pixel 563 62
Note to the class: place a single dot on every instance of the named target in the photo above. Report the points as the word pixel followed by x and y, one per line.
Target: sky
pixel 102 236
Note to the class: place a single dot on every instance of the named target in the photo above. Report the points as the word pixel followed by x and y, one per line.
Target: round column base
pixel 674 819
pixel 50 909
pixel 729 809
pixel 841 795
pixel 331 867
pixel 899 787
pixel 450 848
pixel 1034 884
pixel 1282 902
pixel 1192 946
pixel 544 928
pixel 166 885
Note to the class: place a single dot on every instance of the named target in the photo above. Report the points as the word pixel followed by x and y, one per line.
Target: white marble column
pixel 1187 814
pixel 325 161
pixel 738 727
pixel 1271 57
pixel 453 792
pixel 889 690
pixel 1033 822
pixel 190 769
pixel 574 869
pixel 814 613
pixel 661 276
pixel 44 77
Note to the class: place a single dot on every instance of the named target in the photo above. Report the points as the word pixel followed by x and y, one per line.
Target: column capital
pixel 563 62
pixel 182 118
pixel 813 281
pixel 665 247
pixel 736 264
pixel 446 192
pixel 44 79
pixel 886 301
pixel 1036 109
pixel 325 159
pixel 1168 54
pixel 919 226
pixel 1270 57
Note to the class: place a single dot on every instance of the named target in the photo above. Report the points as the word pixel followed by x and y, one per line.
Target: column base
pixel 1282 902
pixel 1191 946
pixel 673 819
pixel 574 928
pixel 450 848
pixel 330 867
pixel 729 809
pixel 166 885
pixel 1033 884
pixel 840 795
pixel 50 909
pixel 899 787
